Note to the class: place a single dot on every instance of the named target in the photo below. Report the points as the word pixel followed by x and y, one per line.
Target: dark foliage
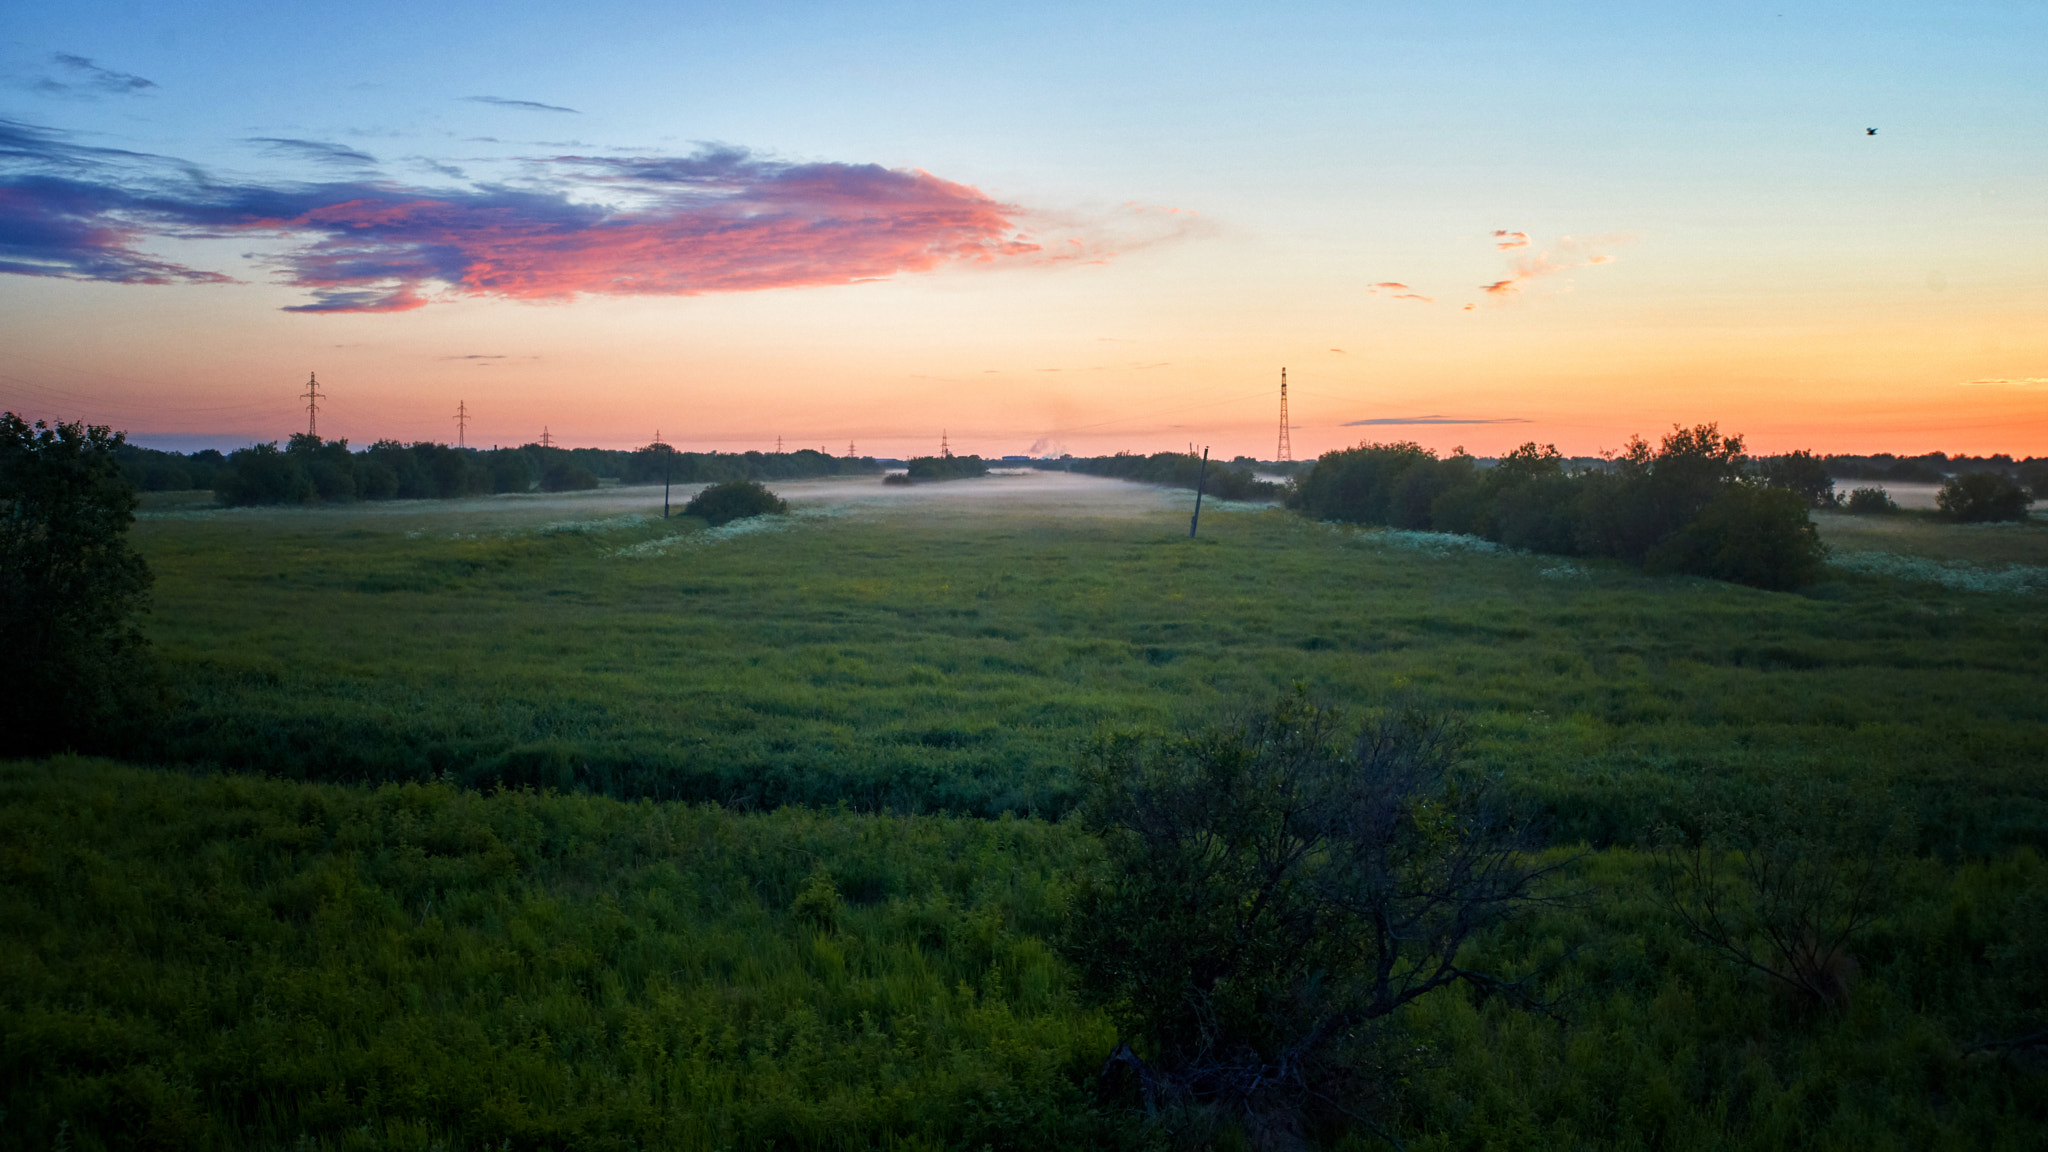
pixel 1761 537
pixel 734 500
pixel 1870 502
pixel 1231 481
pixel 1783 889
pixel 2033 476
pixel 1802 473
pixel 149 470
pixel 1683 506
pixel 946 467
pixel 1272 893
pixel 1976 497
pixel 312 470
pixel 71 667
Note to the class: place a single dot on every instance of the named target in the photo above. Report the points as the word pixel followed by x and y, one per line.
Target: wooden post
pixel 1201 478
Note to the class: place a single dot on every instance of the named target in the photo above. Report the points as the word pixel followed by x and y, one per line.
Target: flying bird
pixel 1870 131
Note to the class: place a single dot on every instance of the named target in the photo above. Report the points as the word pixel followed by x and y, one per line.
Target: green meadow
pixel 545 822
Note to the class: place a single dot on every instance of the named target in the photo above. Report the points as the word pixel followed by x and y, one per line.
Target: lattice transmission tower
pixel 1286 448
pixel 462 424
pixel 312 398
pixel 546 441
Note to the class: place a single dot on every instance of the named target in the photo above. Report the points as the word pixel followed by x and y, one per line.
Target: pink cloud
pixel 721 220
pixel 1505 240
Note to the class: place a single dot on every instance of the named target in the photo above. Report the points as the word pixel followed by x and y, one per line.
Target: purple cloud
pixel 720 220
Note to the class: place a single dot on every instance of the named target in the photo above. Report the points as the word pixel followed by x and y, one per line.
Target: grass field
pixel 464 910
pixel 923 649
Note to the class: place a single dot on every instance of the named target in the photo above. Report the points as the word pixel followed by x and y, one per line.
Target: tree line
pixel 309 470
pixel 1225 481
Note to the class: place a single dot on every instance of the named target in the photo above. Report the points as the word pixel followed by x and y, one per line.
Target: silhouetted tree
pixel 1975 497
pixel 1802 473
pixel 1272 892
pixel 70 660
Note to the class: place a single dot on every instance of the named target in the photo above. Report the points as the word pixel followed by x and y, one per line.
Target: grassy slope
pixel 229 962
pixel 234 962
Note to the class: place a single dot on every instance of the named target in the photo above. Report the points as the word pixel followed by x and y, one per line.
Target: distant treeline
pixel 1692 504
pixel 1934 467
pixel 309 470
pixel 1231 481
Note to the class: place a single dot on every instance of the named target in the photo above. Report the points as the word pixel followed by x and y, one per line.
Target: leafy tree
pixel 1975 497
pixel 734 500
pixel 1802 473
pixel 1870 502
pixel 1272 893
pixel 1750 535
pixel 71 663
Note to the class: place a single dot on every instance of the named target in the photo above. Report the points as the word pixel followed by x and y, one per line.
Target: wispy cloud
pixel 1508 241
pixel 720 220
pixel 2013 382
pixel 319 151
pixel 1399 420
pixel 1398 291
pixel 1572 253
pixel 523 105
pixel 83 77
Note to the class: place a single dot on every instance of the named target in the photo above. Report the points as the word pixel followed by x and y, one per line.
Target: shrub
pixel 1975 497
pixel 1870 502
pixel 1750 535
pixel 1272 894
pixel 69 585
pixel 734 500
pixel 946 467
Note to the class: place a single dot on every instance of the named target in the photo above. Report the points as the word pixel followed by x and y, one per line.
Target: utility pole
pixel 1286 449
pixel 1201 478
pixel 312 398
pixel 545 441
pixel 462 423
pixel 667 454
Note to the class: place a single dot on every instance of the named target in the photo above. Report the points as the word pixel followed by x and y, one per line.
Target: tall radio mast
pixel 312 398
pixel 1286 449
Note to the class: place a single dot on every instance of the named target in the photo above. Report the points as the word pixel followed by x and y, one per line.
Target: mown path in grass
pixel 953 648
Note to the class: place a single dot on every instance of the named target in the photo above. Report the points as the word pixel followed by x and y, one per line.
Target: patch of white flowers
pixel 1955 574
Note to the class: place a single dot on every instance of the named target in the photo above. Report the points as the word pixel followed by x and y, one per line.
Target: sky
pixel 1032 228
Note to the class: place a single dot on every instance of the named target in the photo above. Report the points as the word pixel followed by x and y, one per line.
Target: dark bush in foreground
pixel 70 656
pixel 1273 893
pixel 1975 497
pixel 1870 502
pixel 734 500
